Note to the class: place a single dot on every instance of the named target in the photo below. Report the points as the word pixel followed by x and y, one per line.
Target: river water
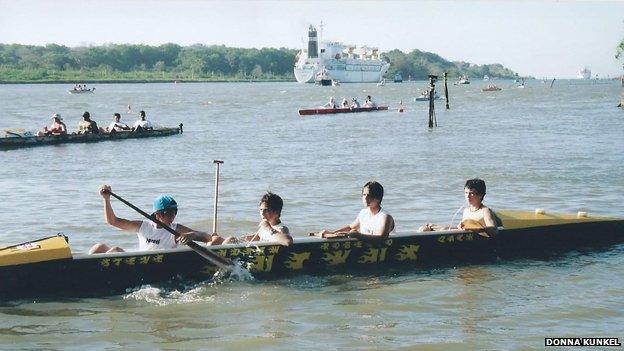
pixel 558 148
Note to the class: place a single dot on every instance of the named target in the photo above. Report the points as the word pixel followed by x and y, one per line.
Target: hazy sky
pixel 538 38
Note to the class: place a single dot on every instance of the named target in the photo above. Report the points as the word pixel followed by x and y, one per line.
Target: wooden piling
pixel 432 118
pixel 446 91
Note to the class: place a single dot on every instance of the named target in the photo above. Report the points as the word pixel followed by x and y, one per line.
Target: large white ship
pixel 343 63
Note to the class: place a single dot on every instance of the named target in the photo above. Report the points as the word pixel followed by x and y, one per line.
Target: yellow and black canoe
pixel 46 268
pixel 18 140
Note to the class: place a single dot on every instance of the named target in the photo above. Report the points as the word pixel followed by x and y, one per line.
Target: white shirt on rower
pixel 153 238
pixel 369 222
pixel 117 126
pixel 143 124
pixel 267 235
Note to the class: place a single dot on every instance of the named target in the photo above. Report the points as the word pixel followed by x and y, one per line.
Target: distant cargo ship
pixel 584 73
pixel 344 63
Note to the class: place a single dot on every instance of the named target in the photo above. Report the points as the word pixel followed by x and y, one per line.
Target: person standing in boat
pixel 270 227
pixel 142 124
pixel 369 102
pixel 57 127
pixel 87 126
pixel 116 125
pixel 372 219
pixel 476 216
pixel 150 235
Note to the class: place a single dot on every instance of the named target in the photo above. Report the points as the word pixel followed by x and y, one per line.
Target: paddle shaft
pixel 203 252
pixel 216 196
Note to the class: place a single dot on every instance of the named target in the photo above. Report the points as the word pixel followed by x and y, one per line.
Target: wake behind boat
pixel 13 140
pixel 326 111
pixel 47 267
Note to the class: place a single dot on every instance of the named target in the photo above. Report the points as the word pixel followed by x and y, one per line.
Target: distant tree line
pixel 418 65
pixel 196 62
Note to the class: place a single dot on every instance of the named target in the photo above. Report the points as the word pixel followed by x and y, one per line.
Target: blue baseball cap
pixel 164 202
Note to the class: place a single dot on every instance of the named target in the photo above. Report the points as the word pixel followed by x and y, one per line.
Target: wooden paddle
pixel 212 257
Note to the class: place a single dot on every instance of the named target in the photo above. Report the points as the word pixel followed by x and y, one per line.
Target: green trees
pixel 195 62
pixel 418 64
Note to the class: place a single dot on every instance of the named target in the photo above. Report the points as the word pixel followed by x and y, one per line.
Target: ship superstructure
pixel 344 63
pixel 584 73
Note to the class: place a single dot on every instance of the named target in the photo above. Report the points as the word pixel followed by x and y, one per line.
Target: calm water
pixel 560 149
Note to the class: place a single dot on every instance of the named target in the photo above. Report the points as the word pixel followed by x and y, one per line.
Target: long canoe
pixel 325 111
pixel 16 140
pixel 47 268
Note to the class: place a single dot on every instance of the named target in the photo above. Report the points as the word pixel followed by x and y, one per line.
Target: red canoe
pixel 325 111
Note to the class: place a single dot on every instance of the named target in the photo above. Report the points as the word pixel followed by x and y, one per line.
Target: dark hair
pixel 142 113
pixel 273 201
pixel 375 190
pixel 117 115
pixel 477 185
pixel 86 114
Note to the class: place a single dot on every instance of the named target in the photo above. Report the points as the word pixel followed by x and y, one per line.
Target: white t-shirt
pixel 118 126
pixel 143 124
pixel 152 238
pixel 266 234
pixel 370 222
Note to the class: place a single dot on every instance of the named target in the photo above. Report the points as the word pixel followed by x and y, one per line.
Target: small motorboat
pixel 462 80
pixel 322 78
pixel 424 96
pixel 81 91
pixel 398 78
pixel 491 87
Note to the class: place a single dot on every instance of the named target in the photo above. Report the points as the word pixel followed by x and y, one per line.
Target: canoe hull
pixel 105 274
pixel 327 111
pixel 28 141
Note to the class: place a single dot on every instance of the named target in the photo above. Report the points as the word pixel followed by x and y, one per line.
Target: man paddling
pixel 372 221
pixel 150 235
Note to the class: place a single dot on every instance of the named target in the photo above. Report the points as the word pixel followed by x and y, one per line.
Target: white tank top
pixel 370 222
pixel 476 215
pixel 267 235
pixel 152 238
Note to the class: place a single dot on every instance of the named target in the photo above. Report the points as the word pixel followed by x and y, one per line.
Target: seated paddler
pixel 150 235
pixel 476 216
pixel 372 221
pixel 270 228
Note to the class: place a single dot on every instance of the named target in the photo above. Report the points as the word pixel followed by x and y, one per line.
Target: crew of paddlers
pixel 82 87
pixel 372 222
pixel 346 104
pixel 89 126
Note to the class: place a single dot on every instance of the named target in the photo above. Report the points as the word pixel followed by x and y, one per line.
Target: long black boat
pixel 16 140
pixel 46 268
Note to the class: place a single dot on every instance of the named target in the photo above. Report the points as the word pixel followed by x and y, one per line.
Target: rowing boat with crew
pixel 325 111
pixel 47 268
pixel 14 140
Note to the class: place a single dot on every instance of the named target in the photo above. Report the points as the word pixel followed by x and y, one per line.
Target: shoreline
pixel 130 81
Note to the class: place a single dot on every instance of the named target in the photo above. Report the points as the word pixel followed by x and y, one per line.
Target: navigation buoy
pixel 401 107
